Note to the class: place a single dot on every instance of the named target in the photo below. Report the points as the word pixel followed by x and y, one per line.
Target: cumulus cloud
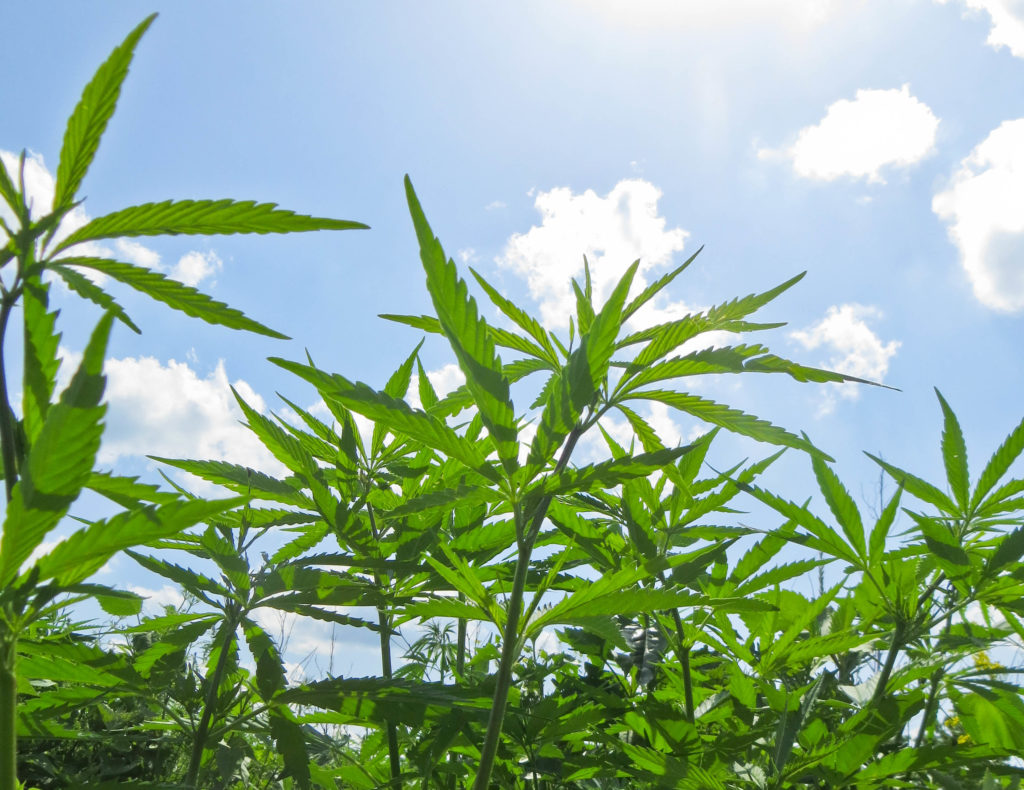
pixel 169 410
pixel 855 349
pixel 983 207
pixel 612 231
pixel 1007 17
pixel 877 129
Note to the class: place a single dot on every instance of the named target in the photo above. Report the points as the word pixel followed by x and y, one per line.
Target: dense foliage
pixel 686 656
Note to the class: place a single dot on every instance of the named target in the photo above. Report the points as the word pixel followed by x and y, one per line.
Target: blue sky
pixel 878 145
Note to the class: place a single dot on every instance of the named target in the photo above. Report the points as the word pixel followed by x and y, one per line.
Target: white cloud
pixel 139 254
pixel 983 207
pixel 467 255
pixel 194 267
pixel 612 231
pixel 494 205
pixel 169 410
pixel 165 596
pixel 445 379
pixel 877 129
pixel 855 349
pixel 1007 18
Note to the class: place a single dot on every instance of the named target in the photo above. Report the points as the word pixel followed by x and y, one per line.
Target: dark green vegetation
pixel 686 657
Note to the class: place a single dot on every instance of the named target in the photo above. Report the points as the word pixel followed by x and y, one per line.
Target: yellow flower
pixel 964 739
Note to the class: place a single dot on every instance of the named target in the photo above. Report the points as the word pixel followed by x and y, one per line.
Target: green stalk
pixel 890 661
pixel 202 731
pixel 8 708
pixel 394 757
pixel 510 645
pixel 931 705
pixel 7 421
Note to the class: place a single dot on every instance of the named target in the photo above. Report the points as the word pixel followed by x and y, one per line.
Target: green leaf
pixel 879 533
pixel 608 474
pixel 731 419
pixel 87 289
pixel 203 217
pixel 89 119
pixel 603 331
pixel 654 288
pixel 396 414
pixel 174 294
pixel 41 360
pixel 999 463
pixel 118 603
pixel 270 676
pixel 841 504
pixel 127 491
pixel 917 487
pixel 954 454
pixel 544 349
pixel 88 549
pixel 60 461
pixel 994 719
pixel 1008 552
pixel 291 745
pixel 469 337
pixel 241 480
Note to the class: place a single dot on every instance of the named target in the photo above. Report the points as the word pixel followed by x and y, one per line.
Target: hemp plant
pixel 48 451
pixel 601 368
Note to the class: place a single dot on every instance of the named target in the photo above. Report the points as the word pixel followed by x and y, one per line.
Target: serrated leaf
pixel 89 119
pixel 127 491
pixel 842 506
pixel 469 337
pixel 41 361
pixel 999 463
pixel 726 417
pixel 522 319
pixel 954 454
pixel 60 460
pixel 88 549
pixel 399 417
pixel 87 289
pixel 1009 551
pixel 174 294
pixel 917 487
pixel 204 217
pixel 656 287
pixel 290 743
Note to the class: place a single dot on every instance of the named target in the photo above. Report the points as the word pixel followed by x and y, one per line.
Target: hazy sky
pixel 876 144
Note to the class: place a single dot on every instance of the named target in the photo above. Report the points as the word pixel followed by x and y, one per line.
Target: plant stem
pixel 202 731
pixel 510 638
pixel 509 655
pixel 7 422
pixel 8 709
pixel 890 661
pixel 394 758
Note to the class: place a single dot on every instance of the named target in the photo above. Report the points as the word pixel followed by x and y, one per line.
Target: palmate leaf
pixel 174 294
pixel 88 549
pixel 725 417
pixel 395 414
pixel 566 394
pixel 202 217
pixel 469 337
pixel 954 454
pixel 89 119
pixel 59 462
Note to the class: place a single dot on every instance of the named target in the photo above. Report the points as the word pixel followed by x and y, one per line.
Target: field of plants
pixel 686 656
